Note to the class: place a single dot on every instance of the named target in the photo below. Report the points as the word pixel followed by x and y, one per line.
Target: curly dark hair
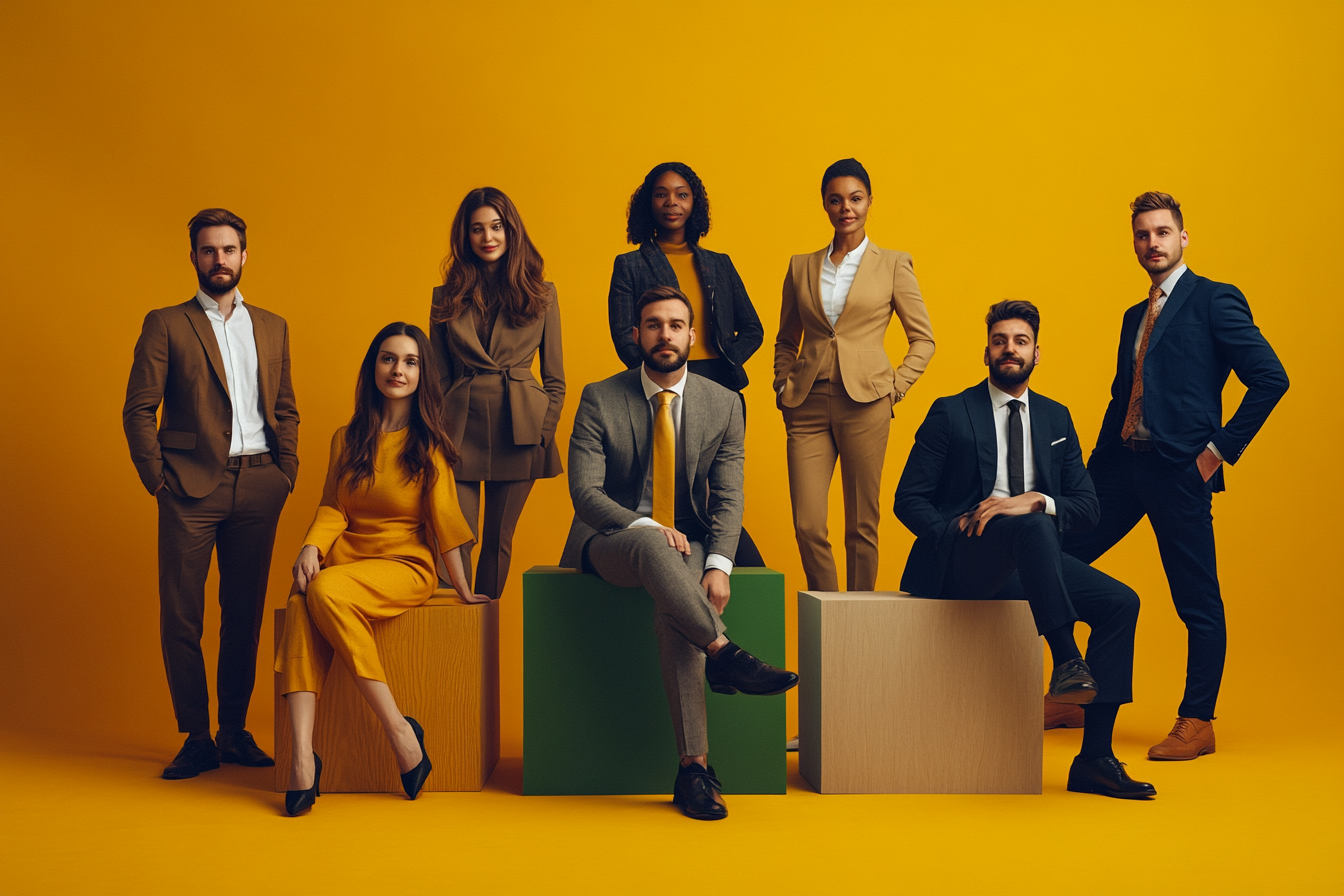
pixel 639 223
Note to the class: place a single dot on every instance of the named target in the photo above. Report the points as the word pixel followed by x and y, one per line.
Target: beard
pixel 1161 264
pixel 211 288
pixel 654 363
pixel 1012 376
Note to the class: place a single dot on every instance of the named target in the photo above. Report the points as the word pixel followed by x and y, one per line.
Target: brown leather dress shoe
pixel 1062 715
pixel 1189 739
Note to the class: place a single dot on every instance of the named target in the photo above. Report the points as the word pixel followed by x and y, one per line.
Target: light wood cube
pixel 904 695
pixel 442 665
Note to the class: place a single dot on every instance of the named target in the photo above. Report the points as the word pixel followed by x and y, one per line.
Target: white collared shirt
pixel 651 389
pixel 238 348
pixel 1002 411
pixel 836 281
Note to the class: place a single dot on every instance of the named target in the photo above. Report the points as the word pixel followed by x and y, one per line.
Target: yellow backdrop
pixel 1004 141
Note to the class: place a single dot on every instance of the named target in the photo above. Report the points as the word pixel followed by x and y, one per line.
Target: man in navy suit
pixel 1163 443
pixel 995 477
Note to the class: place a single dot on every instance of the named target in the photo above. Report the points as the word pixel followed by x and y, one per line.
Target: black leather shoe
pixel 1072 682
pixel 696 791
pixel 413 780
pixel 298 801
pixel 1107 776
pixel 196 756
pixel 239 747
pixel 736 670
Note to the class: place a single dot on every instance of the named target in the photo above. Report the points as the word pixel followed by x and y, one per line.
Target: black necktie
pixel 1017 468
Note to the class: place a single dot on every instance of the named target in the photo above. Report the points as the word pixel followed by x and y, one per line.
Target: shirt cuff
pixel 718 561
pixel 644 522
pixel 1216 453
pixel 1049 505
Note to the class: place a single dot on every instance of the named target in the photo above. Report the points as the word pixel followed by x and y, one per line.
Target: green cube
pixel 595 718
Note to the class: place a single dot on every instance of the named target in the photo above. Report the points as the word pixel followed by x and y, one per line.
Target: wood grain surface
pixel 442 665
pixel 904 695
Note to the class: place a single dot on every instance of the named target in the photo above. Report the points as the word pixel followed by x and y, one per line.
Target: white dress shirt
pixel 1000 400
pixel 238 347
pixel 836 281
pixel 651 389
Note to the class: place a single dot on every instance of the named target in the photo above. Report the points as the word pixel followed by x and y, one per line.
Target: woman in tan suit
pixel 836 386
pixel 491 317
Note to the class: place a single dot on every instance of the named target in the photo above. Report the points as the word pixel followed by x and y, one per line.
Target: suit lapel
pixel 986 438
pixel 637 407
pixel 1041 430
pixel 658 264
pixel 706 268
pixel 1172 306
pixel 814 283
pixel 866 273
pixel 205 331
pixel 692 426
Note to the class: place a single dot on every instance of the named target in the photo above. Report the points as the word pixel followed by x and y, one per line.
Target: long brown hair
pixel 427 433
pixel 517 284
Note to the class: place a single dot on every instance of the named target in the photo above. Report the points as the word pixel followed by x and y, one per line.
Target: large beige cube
pixel 442 665
pixel 904 695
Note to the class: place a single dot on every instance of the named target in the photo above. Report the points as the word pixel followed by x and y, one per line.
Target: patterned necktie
pixel 1017 465
pixel 1135 413
pixel 664 461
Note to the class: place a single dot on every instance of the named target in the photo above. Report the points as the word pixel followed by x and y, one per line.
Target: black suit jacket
pixel 733 326
pixel 1204 332
pixel 951 468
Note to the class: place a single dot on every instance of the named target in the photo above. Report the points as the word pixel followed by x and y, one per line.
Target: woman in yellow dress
pixel 368 555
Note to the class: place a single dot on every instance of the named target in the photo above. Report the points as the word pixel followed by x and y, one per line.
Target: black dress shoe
pixel 413 780
pixel 736 670
pixel 239 747
pixel 696 791
pixel 298 801
pixel 1072 682
pixel 196 756
pixel 1107 776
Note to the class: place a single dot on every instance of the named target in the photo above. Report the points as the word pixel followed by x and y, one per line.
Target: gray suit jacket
pixel 612 446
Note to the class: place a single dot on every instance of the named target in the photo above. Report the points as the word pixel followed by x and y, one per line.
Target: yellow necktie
pixel 664 461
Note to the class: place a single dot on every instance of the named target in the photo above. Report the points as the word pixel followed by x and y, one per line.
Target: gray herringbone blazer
pixel 612 446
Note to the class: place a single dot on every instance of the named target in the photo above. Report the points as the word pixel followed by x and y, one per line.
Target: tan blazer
pixel 178 364
pixel 534 408
pixel 884 283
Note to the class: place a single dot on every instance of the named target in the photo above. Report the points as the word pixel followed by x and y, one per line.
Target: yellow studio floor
pixel 1262 816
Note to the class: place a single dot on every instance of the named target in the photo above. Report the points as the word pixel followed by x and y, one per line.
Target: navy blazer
pixel 952 466
pixel 733 326
pixel 1204 332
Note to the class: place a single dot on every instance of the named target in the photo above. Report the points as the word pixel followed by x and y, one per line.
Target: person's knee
pixel 322 597
pixel 1127 604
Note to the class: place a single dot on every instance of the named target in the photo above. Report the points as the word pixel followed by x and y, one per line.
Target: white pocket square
pixel 1057 441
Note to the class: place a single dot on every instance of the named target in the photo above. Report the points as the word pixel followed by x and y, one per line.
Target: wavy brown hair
pixel 517 285
pixel 427 433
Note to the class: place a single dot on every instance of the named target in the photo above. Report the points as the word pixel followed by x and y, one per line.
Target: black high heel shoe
pixel 413 780
pixel 297 801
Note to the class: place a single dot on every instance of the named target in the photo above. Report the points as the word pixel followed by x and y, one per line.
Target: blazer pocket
pixel 184 441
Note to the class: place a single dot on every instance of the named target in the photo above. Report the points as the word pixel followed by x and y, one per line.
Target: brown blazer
pixel 178 364
pixel 534 408
pixel 884 283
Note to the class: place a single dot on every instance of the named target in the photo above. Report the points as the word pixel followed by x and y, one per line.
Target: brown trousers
pixel 237 520
pixel 826 426
pixel 504 502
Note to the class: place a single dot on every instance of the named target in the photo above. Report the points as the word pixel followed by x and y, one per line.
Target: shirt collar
pixel 1001 398
pixel 857 253
pixel 1169 284
pixel 209 304
pixel 651 388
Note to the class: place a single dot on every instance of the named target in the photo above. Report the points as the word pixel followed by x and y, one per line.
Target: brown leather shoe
pixel 1062 715
pixel 1189 739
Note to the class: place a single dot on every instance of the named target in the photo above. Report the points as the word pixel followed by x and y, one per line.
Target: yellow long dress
pixel 377 564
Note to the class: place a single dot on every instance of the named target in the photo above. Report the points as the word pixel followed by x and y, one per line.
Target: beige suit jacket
pixel 178 365
pixel 885 283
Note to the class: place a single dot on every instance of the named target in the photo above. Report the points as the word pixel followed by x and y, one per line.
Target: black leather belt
pixel 1134 444
pixel 250 460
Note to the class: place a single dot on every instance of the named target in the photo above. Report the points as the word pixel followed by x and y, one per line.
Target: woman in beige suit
pixel 491 317
pixel 836 386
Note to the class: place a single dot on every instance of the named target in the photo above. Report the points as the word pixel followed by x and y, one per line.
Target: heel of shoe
pixel 413 780
pixel 723 689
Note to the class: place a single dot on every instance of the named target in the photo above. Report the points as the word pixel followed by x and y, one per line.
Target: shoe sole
pixel 729 689
pixel 680 804
pixel 204 768
pixel 1153 758
pixel 1075 698
pixel 1112 794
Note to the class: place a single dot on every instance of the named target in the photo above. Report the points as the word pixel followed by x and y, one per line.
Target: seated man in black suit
pixel 994 479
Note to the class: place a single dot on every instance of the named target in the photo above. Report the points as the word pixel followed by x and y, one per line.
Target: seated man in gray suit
pixel 655 473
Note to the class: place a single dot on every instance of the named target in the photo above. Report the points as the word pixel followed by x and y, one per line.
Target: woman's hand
pixel 306 566
pixel 457 576
pixel 474 598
